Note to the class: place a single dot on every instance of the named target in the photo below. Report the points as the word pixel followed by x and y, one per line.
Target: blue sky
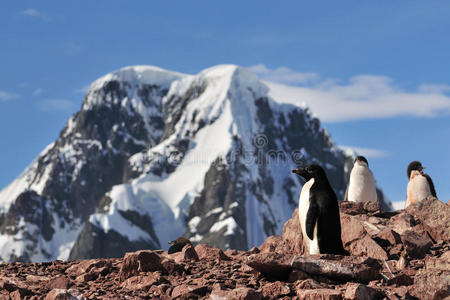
pixel 390 56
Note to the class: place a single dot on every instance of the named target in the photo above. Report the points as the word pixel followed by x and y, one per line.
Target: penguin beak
pixel 299 171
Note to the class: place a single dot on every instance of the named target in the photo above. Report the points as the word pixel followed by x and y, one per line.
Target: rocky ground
pixel 398 255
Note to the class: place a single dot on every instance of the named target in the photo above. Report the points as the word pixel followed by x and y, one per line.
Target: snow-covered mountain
pixel 153 155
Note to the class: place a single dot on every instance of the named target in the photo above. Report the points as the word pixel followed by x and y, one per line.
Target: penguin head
pixel 311 171
pixel 362 161
pixel 414 165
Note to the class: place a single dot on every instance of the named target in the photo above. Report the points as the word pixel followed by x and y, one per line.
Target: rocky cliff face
pixel 153 155
pixel 399 255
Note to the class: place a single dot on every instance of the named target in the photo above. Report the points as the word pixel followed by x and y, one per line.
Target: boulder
pixel 416 245
pixel 356 291
pixel 291 240
pixel 140 261
pixel 435 215
pixel 207 252
pixel 343 268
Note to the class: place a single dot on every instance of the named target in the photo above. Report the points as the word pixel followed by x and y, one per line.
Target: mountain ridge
pixel 154 154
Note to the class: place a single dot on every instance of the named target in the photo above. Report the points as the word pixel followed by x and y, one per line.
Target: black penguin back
pixel 328 220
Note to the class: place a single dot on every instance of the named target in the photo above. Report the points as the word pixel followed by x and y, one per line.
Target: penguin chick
pixel 420 185
pixel 417 165
pixel 178 244
pixel 319 213
pixel 361 185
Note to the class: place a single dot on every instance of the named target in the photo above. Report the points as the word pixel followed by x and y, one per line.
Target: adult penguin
pixel 319 213
pixel 361 185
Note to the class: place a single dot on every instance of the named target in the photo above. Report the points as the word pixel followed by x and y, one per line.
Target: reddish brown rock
pixel 416 245
pixel 401 222
pixel 189 253
pixel 143 282
pixel 280 270
pixel 433 281
pixel 205 251
pixel 297 275
pixel 186 290
pixel 387 238
pixel 84 278
pixel 140 261
pixel 352 229
pixel 275 264
pixel 86 266
pixel 435 215
pixel 319 294
pixel 357 269
pixel 359 208
pixel 15 295
pixel 171 267
pixel 291 240
pixel 61 294
pixel 275 288
pixel 13 284
pixel 357 291
pixel 60 282
pixel 401 280
pixel 366 246
pixel 241 293
pixel 271 243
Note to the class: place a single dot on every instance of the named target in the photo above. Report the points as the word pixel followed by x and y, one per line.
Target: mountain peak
pixel 153 155
pixel 141 73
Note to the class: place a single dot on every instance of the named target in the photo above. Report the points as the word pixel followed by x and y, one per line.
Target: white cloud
pixel 55 104
pixel 367 152
pixel 434 88
pixel 283 75
pixel 361 97
pixel 5 96
pixel 38 91
pixel 34 13
pixel 30 12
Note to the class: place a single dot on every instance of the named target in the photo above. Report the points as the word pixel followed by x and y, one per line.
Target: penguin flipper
pixel 430 183
pixel 311 218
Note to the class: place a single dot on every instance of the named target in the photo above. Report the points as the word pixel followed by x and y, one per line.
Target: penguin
pixel 420 185
pixel 178 244
pixel 319 213
pixel 361 185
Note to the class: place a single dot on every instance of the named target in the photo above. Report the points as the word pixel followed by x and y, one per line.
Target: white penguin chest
pixel 418 189
pixel 303 205
pixel 362 185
